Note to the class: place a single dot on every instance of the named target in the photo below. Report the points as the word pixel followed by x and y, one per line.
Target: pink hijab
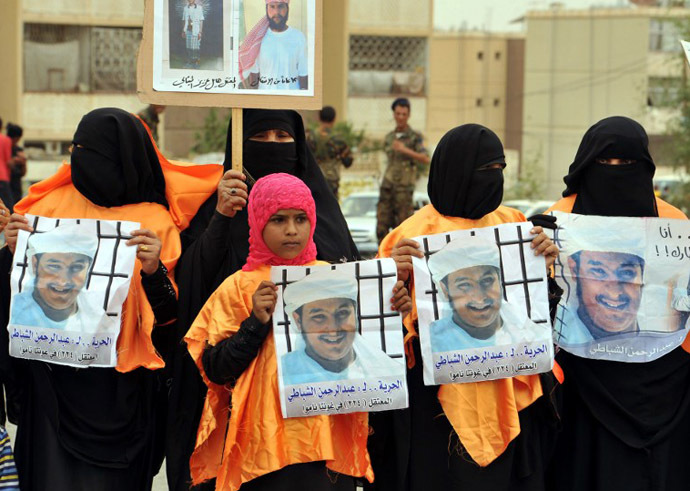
pixel 251 46
pixel 272 193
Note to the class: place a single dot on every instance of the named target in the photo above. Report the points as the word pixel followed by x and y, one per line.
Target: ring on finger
pixel 233 191
pixel 143 248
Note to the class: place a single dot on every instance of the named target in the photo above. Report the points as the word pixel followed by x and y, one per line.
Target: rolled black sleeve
pixel 227 360
pixel 160 294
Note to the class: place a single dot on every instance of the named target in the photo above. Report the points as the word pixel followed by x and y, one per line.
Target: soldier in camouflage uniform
pixel 329 149
pixel 404 148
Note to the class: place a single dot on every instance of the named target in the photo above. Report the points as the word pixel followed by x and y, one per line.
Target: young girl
pixel 252 447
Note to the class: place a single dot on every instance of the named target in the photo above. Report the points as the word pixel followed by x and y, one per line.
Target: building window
pixel 497 55
pixel 497 102
pixel 480 55
pixel 478 102
pixel 663 91
pixel 385 65
pixel 60 58
pixel 663 36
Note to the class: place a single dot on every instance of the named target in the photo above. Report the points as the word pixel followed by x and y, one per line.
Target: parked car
pixel 359 210
pixel 529 207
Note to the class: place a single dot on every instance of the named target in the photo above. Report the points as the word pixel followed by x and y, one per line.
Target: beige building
pixel 449 78
pixel 61 59
pixel 66 57
pixel 582 66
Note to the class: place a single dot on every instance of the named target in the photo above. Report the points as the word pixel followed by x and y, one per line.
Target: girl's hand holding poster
pixel 338 343
pixel 482 304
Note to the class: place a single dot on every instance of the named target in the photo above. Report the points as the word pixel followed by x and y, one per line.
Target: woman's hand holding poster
pixel 338 343
pixel 482 304
pixel 627 288
pixel 69 280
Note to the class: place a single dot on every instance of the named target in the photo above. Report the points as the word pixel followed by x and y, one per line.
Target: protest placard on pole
pixel 232 53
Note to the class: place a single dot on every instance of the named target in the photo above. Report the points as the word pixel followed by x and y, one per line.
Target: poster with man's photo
pixel 482 304
pixel 234 46
pixel 339 344
pixel 69 280
pixel 626 286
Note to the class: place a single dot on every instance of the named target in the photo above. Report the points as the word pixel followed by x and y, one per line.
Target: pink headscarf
pixel 251 46
pixel 272 193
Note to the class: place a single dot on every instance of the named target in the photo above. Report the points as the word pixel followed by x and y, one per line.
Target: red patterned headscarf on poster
pixel 249 50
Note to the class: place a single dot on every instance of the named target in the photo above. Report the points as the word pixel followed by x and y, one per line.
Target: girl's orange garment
pixel 257 440
pixel 187 188
pixel 665 209
pixel 483 414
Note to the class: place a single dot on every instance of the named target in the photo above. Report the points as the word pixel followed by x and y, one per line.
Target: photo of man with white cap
pixel 323 310
pixel 467 272
pixel 608 279
pixel 59 261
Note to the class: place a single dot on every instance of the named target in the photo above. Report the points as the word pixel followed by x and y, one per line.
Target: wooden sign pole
pixel 237 138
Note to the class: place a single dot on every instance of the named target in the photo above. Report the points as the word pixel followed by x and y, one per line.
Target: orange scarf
pixel 257 440
pixel 187 187
pixel 483 414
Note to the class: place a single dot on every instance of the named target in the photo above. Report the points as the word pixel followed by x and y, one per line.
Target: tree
pixel 213 134
pixel 678 147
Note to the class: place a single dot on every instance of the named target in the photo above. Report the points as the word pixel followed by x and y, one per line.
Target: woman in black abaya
pixel 93 428
pixel 625 425
pixel 217 244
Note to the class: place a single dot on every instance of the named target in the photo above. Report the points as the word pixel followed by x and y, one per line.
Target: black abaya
pixel 215 246
pixel 625 425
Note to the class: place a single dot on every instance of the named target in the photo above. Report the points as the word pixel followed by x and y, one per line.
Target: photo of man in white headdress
pixel 273 55
pixel 59 262
pixel 608 277
pixel 323 311
pixel 467 273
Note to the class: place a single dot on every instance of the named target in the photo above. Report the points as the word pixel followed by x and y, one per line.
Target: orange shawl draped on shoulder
pixel 665 209
pixel 257 440
pixel 483 414
pixel 187 187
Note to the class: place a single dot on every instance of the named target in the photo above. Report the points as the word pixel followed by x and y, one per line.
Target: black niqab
pixel 613 190
pixel 333 244
pixel 114 162
pixel 635 415
pixel 456 186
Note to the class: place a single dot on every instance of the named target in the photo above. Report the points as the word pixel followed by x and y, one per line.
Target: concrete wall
pixel 11 61
pixel 84 12
pixel 51 116
pixel 393 16
pixel 467 83
pixel 578 70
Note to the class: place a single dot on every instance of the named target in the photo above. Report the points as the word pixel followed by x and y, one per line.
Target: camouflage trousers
pixel 395 205
pixel 334 184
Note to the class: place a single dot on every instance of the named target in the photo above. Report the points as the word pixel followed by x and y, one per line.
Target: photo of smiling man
pixel 323 312
pixel 59 261
pixel 467 273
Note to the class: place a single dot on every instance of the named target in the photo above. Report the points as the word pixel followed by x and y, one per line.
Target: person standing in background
pixel 329 149
pixel 149 115
pixel 404 148
pixel 5 157
pixel 17 161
